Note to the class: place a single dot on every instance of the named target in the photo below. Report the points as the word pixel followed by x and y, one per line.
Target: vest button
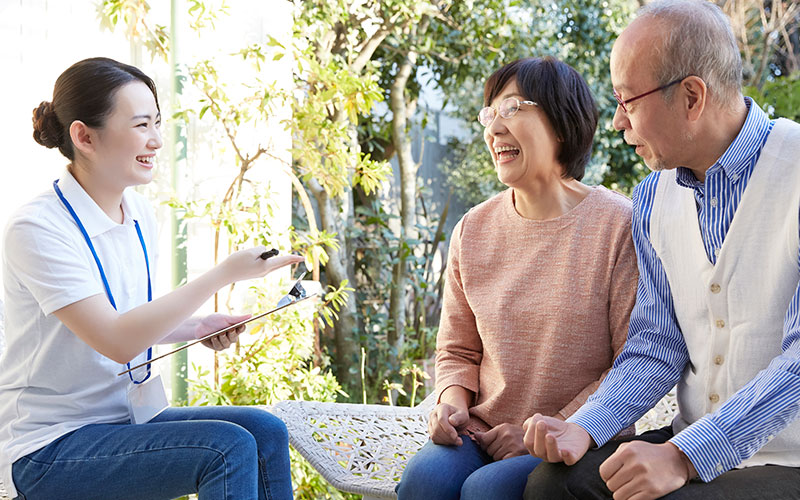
pixel 714 398
pixel 715 288
pixel 718 359
pixel 720 323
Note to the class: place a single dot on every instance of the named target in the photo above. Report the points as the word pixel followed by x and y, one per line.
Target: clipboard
pixel 230 327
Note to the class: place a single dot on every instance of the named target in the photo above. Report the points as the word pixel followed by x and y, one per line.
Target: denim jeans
pixel 221 453
pixel 465 472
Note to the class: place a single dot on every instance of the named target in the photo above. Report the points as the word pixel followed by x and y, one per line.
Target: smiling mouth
pixel 506 153
pixel 145 159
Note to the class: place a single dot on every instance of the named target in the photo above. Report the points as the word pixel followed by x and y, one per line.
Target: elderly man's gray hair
pixel 699 41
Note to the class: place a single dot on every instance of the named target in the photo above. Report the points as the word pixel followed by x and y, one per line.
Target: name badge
pixel 146 400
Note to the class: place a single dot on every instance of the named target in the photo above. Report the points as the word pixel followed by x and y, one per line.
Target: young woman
pixel 77 267
pixel 540 284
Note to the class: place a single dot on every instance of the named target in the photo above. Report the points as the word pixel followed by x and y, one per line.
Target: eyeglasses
pixel 508 108
pixel 624 104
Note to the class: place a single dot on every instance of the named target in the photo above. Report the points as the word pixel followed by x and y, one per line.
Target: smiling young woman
pixel 78 261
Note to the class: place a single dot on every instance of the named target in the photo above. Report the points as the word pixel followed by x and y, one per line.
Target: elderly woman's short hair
pixel 564 97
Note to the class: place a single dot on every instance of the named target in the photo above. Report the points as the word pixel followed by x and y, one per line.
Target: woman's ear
pixel 83 137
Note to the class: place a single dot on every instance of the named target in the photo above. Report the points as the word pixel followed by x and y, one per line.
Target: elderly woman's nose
pixel 498 126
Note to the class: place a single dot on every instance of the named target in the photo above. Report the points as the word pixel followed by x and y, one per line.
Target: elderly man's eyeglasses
pixel 508 108
pixel 624 104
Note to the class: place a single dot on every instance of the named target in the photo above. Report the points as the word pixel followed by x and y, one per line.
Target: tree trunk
pixel 408 192
pixel 337 214
pixel 334 215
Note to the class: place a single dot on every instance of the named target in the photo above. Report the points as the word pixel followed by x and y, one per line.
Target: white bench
pixel 363 449
pixel 359 449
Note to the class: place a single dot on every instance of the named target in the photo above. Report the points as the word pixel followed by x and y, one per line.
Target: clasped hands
pixel 501 442
pixel 637 470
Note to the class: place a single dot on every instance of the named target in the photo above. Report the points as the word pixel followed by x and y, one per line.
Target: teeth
pixel 502 149
pixel 145 159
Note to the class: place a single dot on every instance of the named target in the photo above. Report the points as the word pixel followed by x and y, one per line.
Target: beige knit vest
pixel 731 314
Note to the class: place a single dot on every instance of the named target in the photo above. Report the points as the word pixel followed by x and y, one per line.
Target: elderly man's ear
pixel 695 95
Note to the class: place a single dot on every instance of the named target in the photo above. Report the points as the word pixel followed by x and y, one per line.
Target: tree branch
pixel 368 48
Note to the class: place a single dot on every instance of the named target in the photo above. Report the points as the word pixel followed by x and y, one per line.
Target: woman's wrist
pixel 219 276
pixel 457 396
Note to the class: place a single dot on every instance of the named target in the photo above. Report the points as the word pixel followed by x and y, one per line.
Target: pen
pixel 269 253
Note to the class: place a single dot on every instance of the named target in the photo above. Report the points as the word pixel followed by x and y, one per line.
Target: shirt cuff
pixel 598 421
pixel 708 448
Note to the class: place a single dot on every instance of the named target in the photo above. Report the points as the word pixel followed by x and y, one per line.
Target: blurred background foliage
pixel 362 216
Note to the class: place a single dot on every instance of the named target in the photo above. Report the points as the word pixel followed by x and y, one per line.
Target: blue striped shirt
pixel 655 355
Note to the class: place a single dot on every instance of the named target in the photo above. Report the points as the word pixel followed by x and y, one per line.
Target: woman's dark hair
pixel 564 97
pixel 85 92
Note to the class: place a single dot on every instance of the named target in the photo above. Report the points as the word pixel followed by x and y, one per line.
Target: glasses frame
pixel 497 111
pixel 624 104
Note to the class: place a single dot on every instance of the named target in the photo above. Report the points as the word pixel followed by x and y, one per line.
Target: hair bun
pixel 47 130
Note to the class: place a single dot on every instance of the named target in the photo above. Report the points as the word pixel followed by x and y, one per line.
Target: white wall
pixel 39 40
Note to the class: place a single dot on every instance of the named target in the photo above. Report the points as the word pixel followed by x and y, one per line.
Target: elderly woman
pixel 540 284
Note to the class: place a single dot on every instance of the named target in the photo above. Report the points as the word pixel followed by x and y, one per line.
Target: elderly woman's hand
pixel 503 441
pixel 444 423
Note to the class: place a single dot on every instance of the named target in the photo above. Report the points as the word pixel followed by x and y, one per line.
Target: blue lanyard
pixel 103 274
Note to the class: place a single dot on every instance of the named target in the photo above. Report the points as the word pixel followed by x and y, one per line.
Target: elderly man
pixel 716 228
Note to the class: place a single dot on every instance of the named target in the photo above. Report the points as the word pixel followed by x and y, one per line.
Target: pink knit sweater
pixel 535 311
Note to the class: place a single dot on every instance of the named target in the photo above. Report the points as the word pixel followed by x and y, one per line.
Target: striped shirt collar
pixel 737 157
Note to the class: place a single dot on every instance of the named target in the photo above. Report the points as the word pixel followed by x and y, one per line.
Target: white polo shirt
pixel 51 382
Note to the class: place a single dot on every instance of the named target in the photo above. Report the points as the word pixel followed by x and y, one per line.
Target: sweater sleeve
pixel 459 349
pixel 621 298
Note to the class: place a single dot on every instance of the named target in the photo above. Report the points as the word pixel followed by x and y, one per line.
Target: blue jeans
pixel 463 472
pixel 221 453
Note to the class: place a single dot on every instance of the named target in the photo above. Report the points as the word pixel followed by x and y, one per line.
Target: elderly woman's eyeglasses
pixel 508 108
pixel 624 104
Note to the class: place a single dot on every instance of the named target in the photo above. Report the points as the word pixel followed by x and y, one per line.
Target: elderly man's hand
pixel 641 471
pixel 554 440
